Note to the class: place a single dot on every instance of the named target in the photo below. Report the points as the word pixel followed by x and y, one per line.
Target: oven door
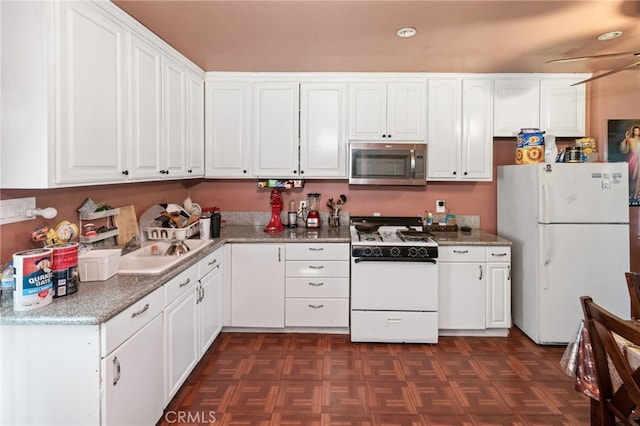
pixel 394 285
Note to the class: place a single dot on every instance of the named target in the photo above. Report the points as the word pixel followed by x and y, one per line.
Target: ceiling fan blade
pixel 608 73
pixel 606 55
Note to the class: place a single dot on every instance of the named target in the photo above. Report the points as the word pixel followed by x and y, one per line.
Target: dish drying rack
pixel 164 234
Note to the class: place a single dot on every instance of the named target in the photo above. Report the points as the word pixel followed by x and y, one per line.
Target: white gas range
pixel 394 281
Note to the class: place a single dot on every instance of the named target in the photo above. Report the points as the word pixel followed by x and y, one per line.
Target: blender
pixel 313 218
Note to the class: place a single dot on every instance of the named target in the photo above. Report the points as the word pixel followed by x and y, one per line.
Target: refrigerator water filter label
pixel 606 184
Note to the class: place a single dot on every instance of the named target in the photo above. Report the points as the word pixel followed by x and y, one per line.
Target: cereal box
pixel 530 146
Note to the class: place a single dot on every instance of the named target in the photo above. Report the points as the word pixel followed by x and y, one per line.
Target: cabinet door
pixel 209 309
pixel 322 130
pixel 174 141
pixel 406 111
pixel 368 111
pixel 562 107
pixel 516 105
pixel 145 116
pixel 498 295
pixel 476 153
pixel 227 129
pixel 90 145
pixel 443 124
pixel 257 295
pixel 276 129
pixel 180 341
pixel 132 379
pixel 195 126
pixel 461 296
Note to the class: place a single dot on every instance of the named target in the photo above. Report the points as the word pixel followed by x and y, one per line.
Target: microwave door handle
pixel 413 163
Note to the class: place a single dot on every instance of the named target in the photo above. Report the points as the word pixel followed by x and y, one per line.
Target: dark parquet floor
pixel 324 379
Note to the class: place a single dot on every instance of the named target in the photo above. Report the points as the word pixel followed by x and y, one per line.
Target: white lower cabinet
pixel 474 289
pixel 209 302
pixel 257 293
pixel 317 285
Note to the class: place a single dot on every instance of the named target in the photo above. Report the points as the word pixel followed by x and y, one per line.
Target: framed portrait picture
pixel 623 143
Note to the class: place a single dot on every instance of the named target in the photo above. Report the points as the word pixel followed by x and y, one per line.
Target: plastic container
pixel 7 284
pixel 98 265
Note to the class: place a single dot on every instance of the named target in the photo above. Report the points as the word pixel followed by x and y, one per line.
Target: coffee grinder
pixel 313 218
pixel 275 224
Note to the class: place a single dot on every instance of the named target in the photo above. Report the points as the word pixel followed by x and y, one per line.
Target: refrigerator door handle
pixel 545 204
pixel 547 258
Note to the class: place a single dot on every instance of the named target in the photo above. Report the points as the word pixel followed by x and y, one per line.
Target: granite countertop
pixel 97 301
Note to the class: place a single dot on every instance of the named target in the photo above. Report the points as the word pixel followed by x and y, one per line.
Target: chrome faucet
pixel 131 245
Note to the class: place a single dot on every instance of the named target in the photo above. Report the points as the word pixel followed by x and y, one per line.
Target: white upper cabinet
pixel 322 130
pixel 88 93
pixel 195 125
pixel 459 129
pixel 387 111
pixel 548 103
pixel 275 129
pixel 91 94
pixel 145 100
pixel 227 128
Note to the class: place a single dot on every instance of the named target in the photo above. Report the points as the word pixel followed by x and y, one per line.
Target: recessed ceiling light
pixel 406 32
pixel 610 35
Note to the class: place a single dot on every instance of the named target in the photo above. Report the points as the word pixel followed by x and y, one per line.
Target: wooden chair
pixel 633 284
pixel 614 403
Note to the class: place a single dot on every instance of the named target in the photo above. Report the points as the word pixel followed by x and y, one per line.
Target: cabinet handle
pixel 301 172
pixel 295 172
pixel 509 275
pixel 316 284
pixel 184 283
pixel 455 173
pixel 125 172
pixel 279 255
pixel 213 262
pixel 141 311
pixel 465 173
pixel 116 364
pixel 316 306
pixel 480 278
pixel 316 267
pixel 316 248
pixel 498 254
pixel 189 171
pixel 200 294
pixel 461 251
pixel 244 171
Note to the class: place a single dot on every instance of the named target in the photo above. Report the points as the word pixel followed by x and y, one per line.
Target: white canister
pixel 205 227
pixel 33 279
pixel 550 149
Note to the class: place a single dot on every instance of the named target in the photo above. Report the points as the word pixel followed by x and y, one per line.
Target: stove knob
pixel 423 252
pixel 413 252
pixel 367 251
pixel 395 252
pixel 377 251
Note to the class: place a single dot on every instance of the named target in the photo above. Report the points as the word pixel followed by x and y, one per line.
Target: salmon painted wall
pixel 614 97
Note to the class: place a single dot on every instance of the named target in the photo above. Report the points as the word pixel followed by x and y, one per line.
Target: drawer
pixel 323 287
pixel 177 285
pixel 317 312
pixel 394 327
pixel 124 325
pixel 498 254
pixel 335 251
pixel 462 253
pixel 317 268
pixel 210 262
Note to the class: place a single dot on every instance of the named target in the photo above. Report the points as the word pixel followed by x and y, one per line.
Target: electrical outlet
pixel 303 204
pixel 440 206
pixel 15 210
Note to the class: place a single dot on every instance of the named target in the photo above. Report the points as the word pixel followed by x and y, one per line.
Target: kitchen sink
pixel 144 261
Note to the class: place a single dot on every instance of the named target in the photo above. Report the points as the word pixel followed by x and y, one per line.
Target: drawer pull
pixel 316 267
pixel 116 364
pixel 316 284
pixel 213 262
pixel 461 251
pixel 316 248
pixel 316 306
pixel 394 320
pixel 184 283
pixel 141 311
pixel 480 277
pixel 498 254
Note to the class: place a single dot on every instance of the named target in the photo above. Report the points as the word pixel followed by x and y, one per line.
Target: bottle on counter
pixel 215 224
pixel 6 284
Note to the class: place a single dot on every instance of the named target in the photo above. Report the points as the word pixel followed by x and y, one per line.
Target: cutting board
pixel 127 223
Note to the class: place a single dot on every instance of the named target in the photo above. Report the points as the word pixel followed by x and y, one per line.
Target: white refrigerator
pixel 569 225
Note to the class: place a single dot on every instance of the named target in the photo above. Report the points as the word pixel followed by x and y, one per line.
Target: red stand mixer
pixel 275 224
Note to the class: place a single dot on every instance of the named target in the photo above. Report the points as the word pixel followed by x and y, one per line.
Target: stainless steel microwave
pixel 387 164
